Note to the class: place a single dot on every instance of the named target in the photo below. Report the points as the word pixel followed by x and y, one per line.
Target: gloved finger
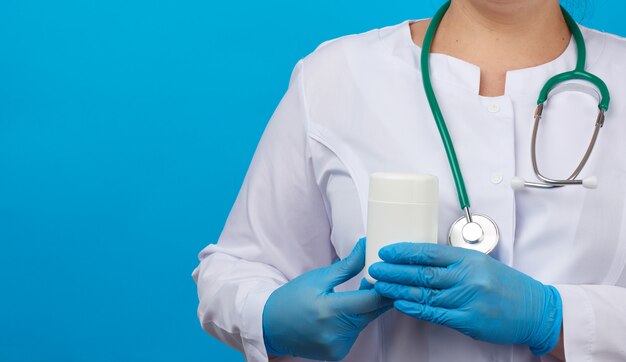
pixel 443 298
pixel 358 301
pixel 422 254
pixel 362 320
pixel 346 268
pixel 368 317
pixel 445 317
pixel 418 275
pixel 365 285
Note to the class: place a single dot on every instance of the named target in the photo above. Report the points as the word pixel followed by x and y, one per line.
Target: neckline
pixel 522 80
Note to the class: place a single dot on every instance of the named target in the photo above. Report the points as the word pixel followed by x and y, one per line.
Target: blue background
pixel 126 128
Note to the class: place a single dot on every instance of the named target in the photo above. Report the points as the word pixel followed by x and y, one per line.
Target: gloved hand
pixel 306 318
pixel 470 292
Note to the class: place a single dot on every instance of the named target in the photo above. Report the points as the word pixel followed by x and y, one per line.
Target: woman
pixel 553 289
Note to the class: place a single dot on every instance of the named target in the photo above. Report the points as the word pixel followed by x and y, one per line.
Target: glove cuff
pixel 549 331
pixel 266 337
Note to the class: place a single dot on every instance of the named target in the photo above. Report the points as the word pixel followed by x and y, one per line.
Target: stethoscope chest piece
pixel 481 234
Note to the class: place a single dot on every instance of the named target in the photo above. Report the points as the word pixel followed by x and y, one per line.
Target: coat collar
pixel 459 73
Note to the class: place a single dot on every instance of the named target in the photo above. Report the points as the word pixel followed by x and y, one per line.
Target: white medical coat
pixel 355 106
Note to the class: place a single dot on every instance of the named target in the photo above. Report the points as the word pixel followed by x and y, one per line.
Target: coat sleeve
pixel 277 229
pixel 594 322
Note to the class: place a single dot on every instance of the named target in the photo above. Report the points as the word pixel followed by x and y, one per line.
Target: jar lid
pixel 407 188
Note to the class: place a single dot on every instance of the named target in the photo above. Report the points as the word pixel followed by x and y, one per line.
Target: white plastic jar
pixel 402 207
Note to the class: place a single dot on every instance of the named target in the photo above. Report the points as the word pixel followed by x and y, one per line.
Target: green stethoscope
pixel 479 232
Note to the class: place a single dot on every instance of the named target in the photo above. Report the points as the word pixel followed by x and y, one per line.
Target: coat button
pixel 496 178
pixel 493 108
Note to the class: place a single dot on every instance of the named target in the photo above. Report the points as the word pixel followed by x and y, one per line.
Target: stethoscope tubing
pixel 463 232
pixel 579 73
pixel 436 110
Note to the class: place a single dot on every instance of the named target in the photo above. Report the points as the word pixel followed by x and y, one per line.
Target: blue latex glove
pixel 306 318
pixel 470 292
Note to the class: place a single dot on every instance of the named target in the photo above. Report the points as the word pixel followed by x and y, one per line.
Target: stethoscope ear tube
pixel 590 182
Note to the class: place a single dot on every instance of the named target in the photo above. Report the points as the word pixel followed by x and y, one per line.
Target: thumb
pixel 346 268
